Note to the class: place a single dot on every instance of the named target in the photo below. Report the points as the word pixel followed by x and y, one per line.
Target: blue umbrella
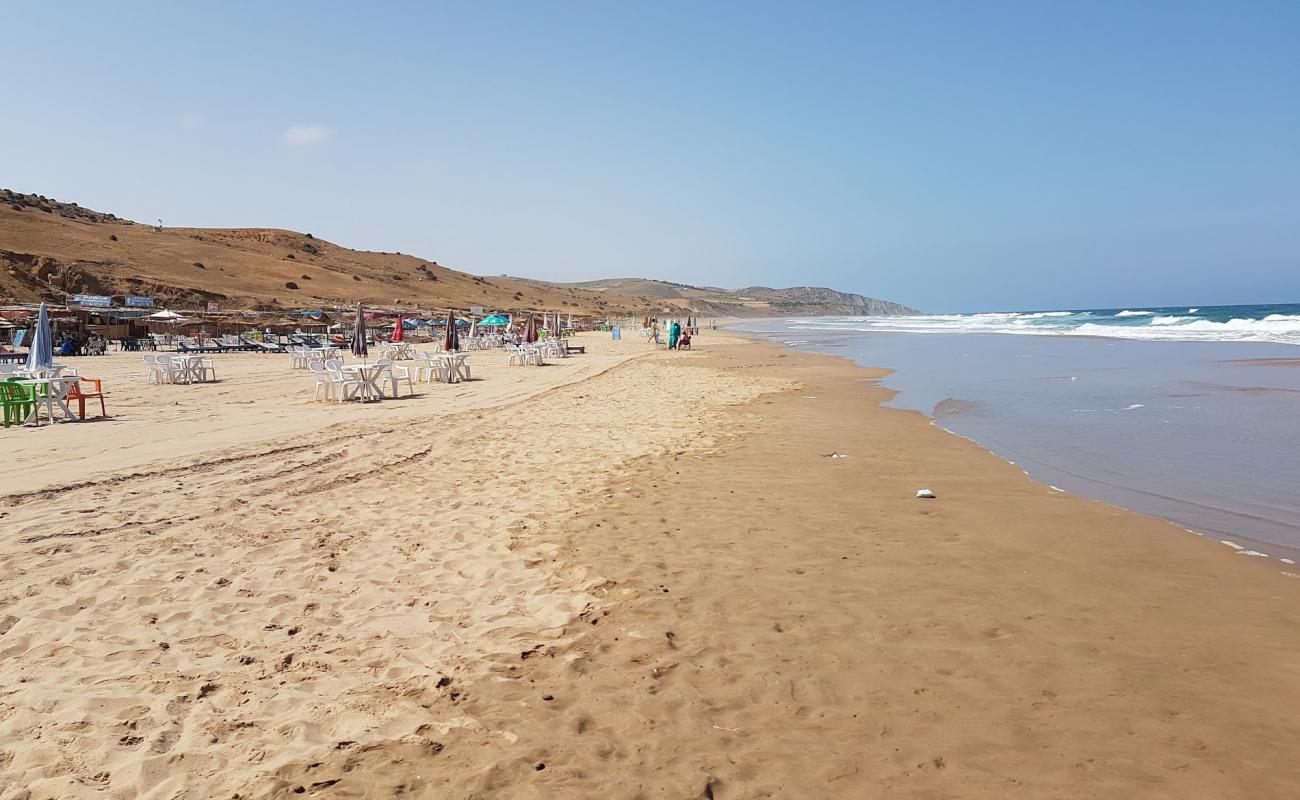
pixel 493 321
pixel 40 354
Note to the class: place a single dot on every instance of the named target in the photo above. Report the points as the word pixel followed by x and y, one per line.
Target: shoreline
pixel 650 581
pixel 1090 483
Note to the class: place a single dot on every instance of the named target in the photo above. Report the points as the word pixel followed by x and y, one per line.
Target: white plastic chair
pixel 158 372
pixel 323 381
pixel 432 369
pixel 343 387
pixel 394 374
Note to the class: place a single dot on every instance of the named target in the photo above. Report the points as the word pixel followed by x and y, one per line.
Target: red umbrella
pixel 397 332
pixel 530 329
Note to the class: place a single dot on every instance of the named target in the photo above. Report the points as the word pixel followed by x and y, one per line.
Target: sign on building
pixel 136 301
pixel 91 301
pixel 476 310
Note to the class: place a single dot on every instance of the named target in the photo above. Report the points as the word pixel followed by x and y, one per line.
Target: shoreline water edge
pixel 696 600
pixel 1198 433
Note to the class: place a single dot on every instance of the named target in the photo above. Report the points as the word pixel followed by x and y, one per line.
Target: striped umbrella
pixel 40 353
pixel 358 344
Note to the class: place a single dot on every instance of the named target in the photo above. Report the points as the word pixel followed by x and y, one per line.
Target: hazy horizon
pixel 946 157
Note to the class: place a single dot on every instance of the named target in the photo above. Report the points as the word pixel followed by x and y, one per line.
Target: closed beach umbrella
pixel 358 344
pixel 452 342
pixel 40 354
pixel 397 331
pixel 530 328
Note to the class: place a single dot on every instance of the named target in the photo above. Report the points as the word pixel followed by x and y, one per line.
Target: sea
pixel 1187 413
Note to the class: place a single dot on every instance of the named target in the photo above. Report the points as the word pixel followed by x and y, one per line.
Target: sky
pixel 952 156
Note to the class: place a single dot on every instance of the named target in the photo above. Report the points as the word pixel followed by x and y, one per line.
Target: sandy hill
pixel 50 250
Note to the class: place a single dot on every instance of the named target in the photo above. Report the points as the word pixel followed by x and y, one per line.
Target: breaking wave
pixel 1276 324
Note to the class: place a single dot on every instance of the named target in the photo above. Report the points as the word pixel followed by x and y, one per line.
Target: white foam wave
pixel 1127 313
pixel 1279 328
pixel 1276 328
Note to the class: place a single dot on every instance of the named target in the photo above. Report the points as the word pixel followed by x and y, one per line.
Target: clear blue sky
pixel 951 156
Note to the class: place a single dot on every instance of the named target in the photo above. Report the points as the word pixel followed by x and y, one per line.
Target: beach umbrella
pixel 397 329
pixel 494 321
pixel 358 343
pixel 451 343
pixel 530 328
pixel 40 353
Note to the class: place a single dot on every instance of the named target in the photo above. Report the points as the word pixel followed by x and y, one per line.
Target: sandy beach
pixel 629 574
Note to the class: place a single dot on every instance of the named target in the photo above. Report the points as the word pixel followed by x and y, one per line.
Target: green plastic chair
pixel 18 401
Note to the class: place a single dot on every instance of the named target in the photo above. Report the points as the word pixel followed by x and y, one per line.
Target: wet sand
pixel 649 581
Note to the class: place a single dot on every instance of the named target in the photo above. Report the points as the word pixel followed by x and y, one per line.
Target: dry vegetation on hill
pixel 50 249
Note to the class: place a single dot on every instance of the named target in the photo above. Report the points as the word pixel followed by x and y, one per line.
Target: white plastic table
pixel 187 367
pixel 56 390
pixel 368 374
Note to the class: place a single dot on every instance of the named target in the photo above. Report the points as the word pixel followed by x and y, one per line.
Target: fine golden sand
pixel 631 574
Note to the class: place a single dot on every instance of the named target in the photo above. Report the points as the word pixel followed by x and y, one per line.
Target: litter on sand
pixel 833 455
pixel 926 493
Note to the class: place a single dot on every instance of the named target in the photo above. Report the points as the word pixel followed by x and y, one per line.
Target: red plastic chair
pixel 81 394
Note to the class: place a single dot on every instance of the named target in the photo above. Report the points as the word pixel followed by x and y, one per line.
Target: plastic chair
pixel 81 395
pixel 158 373
pixel 18 402
pixel 322 375
pixel 394 374
pixel 344 388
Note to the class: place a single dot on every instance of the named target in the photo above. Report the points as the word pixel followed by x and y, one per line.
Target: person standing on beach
pixel 674 333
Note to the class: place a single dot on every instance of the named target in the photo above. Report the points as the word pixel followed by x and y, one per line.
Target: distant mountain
pixel 752 301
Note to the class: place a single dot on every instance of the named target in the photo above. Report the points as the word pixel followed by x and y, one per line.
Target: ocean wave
pixel 1276 328
pixel 1127 313
pixel 1192 310
pixel 1279 328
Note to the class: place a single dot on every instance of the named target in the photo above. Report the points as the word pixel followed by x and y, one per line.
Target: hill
pixel 753 301
pixel 50 250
